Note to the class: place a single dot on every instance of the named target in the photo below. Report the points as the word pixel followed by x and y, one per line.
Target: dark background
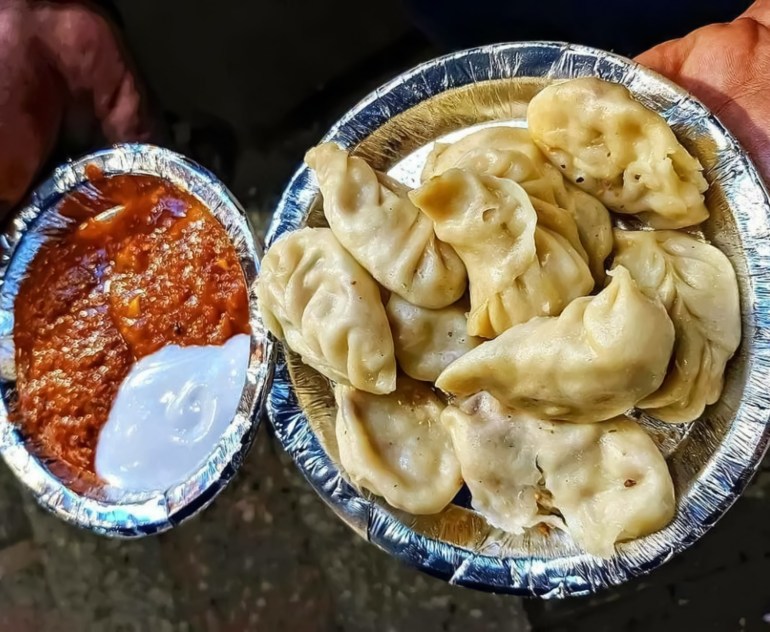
pixel 245 88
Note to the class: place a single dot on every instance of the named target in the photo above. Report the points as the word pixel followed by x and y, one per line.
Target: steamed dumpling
pixel 372 217
pixel 516 268
pixel 608 480
pixel 509 152
pixel 697 285
pixel 613 147
pixel 504 152
pixel 396 447
pixel 595 361
pixel 497 450
pixel 326 307
pixel 428 340
pixel 489 221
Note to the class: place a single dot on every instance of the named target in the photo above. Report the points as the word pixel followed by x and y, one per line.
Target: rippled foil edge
pixel 104 510
pixel 737 458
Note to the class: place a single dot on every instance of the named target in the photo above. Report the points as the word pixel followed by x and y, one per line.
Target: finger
pixel 759 11
pixel 86 52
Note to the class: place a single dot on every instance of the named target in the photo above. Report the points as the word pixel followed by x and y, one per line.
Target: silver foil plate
pixel 104 509
pixel 710 460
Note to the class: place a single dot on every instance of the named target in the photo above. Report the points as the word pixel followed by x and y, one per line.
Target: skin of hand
pixel 54 55
pixel 727 66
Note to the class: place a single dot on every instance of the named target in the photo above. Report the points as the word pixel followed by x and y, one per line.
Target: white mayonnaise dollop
pixel 170 411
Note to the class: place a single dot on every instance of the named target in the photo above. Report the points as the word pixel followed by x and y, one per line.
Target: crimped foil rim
pixel 115 513
pixel 726 474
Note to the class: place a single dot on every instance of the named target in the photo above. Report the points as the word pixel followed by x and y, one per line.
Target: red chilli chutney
pixel 146 265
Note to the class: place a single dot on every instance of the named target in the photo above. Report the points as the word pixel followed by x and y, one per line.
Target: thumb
pixel 667 58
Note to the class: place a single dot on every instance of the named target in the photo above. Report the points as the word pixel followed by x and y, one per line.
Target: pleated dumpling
pixel 396 447
pixel 489 221
pixel 608 481
pixel 372 217
pixel 697 285
pixel 509 152
pixel 615 148
pixel 517 269
pixel 497 450
pixel 595 361
pixel 428 340
pixel 504 152
pixel 314 296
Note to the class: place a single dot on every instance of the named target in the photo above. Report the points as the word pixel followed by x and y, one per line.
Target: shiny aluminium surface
pixel 711 460
pixel 104 509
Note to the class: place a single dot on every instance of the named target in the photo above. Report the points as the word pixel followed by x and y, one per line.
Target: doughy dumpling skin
pixel 428 340
pixel 608 480
pixel 509 152
pixel 613 147
pixel 314 296
pixel 595 361
pixel 372 217
pixel 517 269
pixel 497 450
pixel 697 285
pixel 396 447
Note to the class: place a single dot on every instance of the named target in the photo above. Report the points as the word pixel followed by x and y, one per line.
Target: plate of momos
pixel 520 293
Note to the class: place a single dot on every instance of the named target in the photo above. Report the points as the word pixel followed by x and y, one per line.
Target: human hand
pixel 54 55
pixel 727 66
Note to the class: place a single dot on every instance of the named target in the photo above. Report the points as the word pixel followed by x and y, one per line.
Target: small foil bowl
pixel 711 460
pixel 102 508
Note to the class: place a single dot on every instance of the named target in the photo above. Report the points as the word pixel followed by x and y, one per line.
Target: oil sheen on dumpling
pixel 396 447
pixel 608 480
pixel 509 152
pixel 517 269
pixel 618 150
pixel 428 340
pixel 697 285
pixel 314 296
pixel 595 361
pixel 372 217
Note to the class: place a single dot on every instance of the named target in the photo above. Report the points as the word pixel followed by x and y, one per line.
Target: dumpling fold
pixel 314 296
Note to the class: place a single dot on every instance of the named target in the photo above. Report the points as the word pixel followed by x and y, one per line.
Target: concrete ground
pixel 246 87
